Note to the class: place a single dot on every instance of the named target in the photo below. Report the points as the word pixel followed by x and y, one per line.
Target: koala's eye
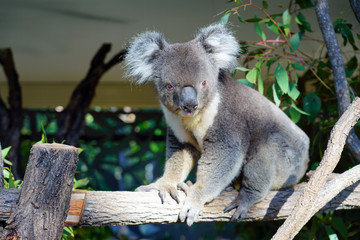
pixel 170 87
pixel 203 83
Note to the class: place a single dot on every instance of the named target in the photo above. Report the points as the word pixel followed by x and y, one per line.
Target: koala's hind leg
pixel 256 180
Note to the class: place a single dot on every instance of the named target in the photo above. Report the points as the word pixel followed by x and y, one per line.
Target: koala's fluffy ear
pixel 141 54
pixel 220 44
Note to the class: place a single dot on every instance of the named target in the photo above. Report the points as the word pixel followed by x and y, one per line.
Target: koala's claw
pixel 240 212
pixel 190 213
pixel 163 189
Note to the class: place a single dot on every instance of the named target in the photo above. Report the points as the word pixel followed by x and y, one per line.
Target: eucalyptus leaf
pixel 286 17
pixel 312 105
pixel 298 109
pixel 295 41
pixel 5 151
pixel 259 31
pixel 245 82
pixel 294 93
pixel 275 95
pixel 251 76
pixel 282 78
pixel 295 115
pixel 224 19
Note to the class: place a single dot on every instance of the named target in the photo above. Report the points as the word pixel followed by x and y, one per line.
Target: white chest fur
pixel 188 128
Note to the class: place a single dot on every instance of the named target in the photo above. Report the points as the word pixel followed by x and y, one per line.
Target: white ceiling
pixel 54 41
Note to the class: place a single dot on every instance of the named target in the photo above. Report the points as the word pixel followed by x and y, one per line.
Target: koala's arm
pixel 220 163
pixel 180 159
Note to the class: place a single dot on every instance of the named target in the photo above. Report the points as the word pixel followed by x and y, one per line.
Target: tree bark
pixel 1 170
pixel 98 208
pixel 355 5
pixel 341 84
pixel 301 214
pixel 71 120
pixel 11 119
pixel 44 199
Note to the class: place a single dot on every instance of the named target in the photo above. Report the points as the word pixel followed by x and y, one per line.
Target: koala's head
pixel 185 74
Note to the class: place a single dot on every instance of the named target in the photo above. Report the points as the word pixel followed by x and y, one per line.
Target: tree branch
pixel 341 85
pixel 11 119
pixel 72 118
pixel 355 5
pixel 301 214
pixel 98 208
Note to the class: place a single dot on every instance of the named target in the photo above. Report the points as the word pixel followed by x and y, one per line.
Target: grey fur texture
pixel 229 129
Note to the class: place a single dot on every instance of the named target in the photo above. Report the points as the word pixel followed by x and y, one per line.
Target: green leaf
pixel 6 173
pixel 331 234
pixel 240 19
pixel 298 109
pixel 312 105
pixel 351 65
pixel 81 183
pixel 265 4
pixel 305 3
pixel 298 66
pixel 259 31
pixel 251 76
pixel 275 95
pixel 295 41
pixel 253 20
pixel 339 226
pixel 270 25
pixel 5 151
pixel 243 69
pixel 294 93
pixel 286 17
pixel 224 19
pixel 282 78
pixel 295 115
pixel 302 23
pixel 245 82
pixel 260 84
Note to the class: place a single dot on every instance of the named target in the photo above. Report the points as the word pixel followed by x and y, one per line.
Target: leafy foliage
pixel 301 85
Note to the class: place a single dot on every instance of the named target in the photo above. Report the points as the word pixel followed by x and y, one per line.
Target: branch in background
pixel 315 195
pixel 72 118
pixel 11 119
pixel 355 5
pixel 341 84
pixel 1 170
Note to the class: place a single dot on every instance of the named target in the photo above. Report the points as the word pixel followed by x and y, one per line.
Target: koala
pixel 230 130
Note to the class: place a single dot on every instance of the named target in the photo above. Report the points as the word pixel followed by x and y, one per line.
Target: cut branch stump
pixel 44 199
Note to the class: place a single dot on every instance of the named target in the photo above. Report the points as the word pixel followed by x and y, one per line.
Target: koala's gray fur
pixel 231 130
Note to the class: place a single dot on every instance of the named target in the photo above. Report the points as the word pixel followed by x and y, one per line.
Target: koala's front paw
pixel 191 209
pixel 163 188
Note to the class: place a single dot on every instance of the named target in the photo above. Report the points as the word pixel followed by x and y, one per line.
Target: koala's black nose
pixel 188 100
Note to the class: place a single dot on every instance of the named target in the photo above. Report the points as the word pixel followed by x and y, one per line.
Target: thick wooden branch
pixel 301 212
pixel 355 5
pixel 98 208
pixel 72 118
pixel 44 199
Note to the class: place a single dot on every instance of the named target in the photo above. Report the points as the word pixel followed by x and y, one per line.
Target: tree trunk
pixel 11 119
pixel 44 199
pixel 336 60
